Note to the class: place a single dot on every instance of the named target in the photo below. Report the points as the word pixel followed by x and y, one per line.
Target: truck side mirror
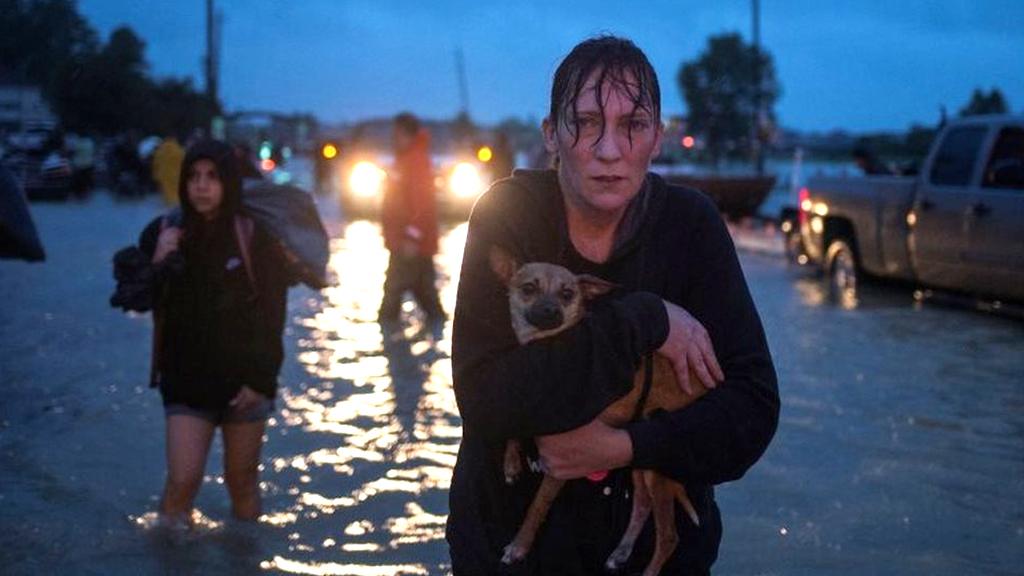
pixel 1008 173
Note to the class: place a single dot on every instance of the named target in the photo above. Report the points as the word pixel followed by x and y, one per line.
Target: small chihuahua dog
pixel 545 299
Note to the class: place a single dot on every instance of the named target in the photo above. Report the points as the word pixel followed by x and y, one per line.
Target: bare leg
pixel 641 512
pixel 188 444
pixel 535 516
pixel 666 538
pixel 242 443
pixel 513 461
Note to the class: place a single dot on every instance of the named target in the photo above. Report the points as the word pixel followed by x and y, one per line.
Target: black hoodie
pixel 671 245
pixel 220 329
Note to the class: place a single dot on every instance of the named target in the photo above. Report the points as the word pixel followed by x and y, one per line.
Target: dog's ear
pixel 503 264
pixel 591 286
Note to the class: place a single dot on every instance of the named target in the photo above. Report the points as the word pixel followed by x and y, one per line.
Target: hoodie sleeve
pixel 505 390
pixel 720 436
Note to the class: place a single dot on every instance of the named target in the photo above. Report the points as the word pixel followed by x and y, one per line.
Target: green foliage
pixel 982 103
pixel 719 90
pixel 93 87
pixel 40 38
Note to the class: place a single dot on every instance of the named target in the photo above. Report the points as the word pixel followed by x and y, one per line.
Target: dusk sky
pixel 860 65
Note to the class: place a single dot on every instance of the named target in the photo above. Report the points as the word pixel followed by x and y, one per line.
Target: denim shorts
pixel 258 412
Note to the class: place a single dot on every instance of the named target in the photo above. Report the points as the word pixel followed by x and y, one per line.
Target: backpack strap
pixel 245 230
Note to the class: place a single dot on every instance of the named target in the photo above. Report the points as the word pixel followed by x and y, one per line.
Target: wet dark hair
pixel 618 62
pixel 407 123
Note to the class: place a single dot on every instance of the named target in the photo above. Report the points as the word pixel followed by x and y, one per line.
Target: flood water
pixel 900 449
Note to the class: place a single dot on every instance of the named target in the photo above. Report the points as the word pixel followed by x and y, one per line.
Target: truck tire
pixel 841 272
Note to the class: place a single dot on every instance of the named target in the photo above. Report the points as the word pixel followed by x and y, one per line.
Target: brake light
pixel 805 204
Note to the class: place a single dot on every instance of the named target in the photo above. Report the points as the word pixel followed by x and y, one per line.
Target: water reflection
pixel 375 427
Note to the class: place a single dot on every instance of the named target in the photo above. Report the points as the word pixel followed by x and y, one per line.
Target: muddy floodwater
pixel 900 449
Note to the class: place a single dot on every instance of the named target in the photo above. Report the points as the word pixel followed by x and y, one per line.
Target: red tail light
pixel 804 202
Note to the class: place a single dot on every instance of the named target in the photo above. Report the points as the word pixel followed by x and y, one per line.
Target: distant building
pixel 296 131
pixel 22 105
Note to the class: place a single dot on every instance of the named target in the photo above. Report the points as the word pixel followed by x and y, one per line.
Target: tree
pixel 109 91
pixel 981 103
pixel 721 97
pixel 40 38
pixel 177 108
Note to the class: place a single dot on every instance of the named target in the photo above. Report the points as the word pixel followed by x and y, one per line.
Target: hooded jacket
pixel 671 245
pixel 220 328
pixel 409 209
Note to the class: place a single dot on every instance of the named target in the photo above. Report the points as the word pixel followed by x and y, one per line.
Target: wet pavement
pixel 900 449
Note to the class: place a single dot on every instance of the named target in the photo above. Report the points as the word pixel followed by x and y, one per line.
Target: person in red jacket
pixel 409 219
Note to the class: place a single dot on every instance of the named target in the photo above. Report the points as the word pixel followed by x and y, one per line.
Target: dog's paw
pixel 617 560
pixel 513 554
pixel 513 469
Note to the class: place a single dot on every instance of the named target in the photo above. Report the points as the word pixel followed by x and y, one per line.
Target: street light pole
pixel 756 128
pixel 211 54
pixel 460 71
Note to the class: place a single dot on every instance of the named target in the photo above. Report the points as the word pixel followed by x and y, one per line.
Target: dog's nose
pixel 545 315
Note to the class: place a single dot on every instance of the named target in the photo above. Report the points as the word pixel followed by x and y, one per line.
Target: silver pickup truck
pixel 957 226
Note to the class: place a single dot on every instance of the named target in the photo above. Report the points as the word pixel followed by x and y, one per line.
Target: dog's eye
pixel 567 294
pixel 528 289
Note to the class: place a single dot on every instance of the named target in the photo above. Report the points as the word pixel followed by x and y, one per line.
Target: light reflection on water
pixel 901 441
pixel 380 420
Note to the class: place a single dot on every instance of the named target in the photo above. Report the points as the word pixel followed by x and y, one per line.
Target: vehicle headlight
pixel 465 180
pixel 817 225
pixel 366 179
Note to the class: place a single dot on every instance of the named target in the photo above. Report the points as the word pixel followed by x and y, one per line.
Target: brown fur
pixel 528 286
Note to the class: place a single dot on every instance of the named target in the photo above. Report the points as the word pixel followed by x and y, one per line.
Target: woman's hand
pixel 166 243
pixel 246 399
pixel 590 448
pixel 688 347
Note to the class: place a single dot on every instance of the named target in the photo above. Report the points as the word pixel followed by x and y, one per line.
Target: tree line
pixel 94 87
pixel 727 113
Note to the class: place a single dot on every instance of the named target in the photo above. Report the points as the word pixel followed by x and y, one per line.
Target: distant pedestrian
pixel 219 298
pixel 869 163
pixel 167 160
pixel 409 219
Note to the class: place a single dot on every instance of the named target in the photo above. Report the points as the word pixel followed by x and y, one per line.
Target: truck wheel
pixel 794 247
pixel 841 269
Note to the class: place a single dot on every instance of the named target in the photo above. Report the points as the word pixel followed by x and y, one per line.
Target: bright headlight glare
pixel 465 180
pixel 366 179
pixel 817 225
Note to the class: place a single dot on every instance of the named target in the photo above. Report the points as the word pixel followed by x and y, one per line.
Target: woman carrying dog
pixel 219 309
pixel 681 294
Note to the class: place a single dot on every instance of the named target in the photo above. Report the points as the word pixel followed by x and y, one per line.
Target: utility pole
pixel 460 70
pixel 211 54
pixel 757 130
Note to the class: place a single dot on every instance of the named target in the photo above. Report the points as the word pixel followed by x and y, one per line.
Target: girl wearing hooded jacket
pixel 218 318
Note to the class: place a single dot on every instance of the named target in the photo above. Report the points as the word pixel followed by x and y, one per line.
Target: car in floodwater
pixel 37 160
pixel 957 226
pixel 459 180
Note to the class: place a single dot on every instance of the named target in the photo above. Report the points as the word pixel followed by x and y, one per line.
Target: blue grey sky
pixel 854 64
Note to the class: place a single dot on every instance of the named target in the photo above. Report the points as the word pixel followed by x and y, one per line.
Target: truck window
pixel 1005 168
pixel 955 159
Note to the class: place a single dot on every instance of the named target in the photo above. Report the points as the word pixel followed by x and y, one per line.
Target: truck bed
pixel 876 208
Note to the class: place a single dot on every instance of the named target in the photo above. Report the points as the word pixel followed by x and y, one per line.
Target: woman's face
pixel 604 168
pixel 205 190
